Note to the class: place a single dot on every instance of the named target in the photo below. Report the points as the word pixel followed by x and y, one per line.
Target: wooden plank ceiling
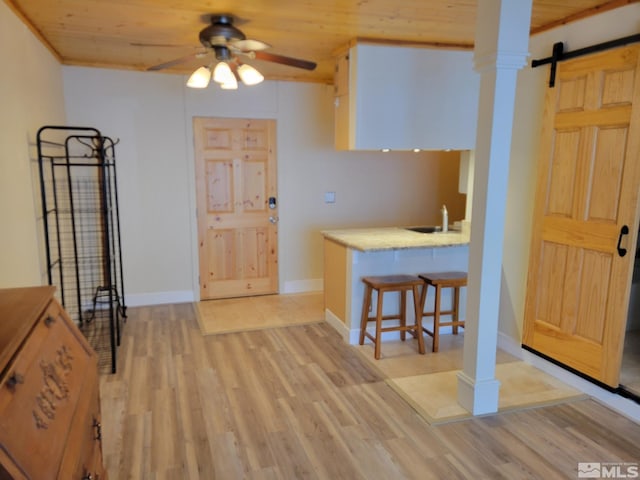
pixel 138 34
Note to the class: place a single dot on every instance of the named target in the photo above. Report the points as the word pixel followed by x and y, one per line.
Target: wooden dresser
pixel 49 400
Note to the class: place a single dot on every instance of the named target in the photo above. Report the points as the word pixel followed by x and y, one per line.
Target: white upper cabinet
pixel 403 98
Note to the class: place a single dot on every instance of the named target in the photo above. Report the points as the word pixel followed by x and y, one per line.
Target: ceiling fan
pixel 229 44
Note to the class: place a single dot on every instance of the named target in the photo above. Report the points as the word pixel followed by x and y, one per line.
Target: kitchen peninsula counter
pixel 350 254
pixel 394 238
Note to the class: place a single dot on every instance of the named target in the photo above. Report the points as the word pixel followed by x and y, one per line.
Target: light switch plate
pixel 329 197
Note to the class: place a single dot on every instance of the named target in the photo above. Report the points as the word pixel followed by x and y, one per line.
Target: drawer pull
pixel 15 379
pixel 88 476
pixel 98 426
pixel 50 320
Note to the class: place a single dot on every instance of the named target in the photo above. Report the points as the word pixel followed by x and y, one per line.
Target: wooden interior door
pixel 237 223
pixel 589 174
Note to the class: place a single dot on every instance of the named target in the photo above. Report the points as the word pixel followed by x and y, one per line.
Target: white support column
pixel 501 49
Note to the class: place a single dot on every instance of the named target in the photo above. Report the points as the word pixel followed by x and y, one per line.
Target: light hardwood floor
pixel 297 402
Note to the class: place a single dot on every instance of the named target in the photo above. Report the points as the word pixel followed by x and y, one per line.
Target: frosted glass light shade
pixel 200 78
pixel 249 75
pixel 222 73
pixel 230 84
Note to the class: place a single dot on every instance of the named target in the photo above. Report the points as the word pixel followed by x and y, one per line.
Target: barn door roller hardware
pixel 558 54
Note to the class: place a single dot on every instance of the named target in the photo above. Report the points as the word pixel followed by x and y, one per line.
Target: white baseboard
pixel 303 286
pixel 158 298
pixel 182 296
pixel 354 336
pixel 337 324
pixel 509 345
pixel 616 402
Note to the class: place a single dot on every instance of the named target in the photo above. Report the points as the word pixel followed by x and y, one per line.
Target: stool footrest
pixel 385 317
pixel 450 324
pixel 442 312
pixel 411 328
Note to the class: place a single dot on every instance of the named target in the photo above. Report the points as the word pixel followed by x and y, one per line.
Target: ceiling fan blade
pixel 292 62
pixel 234 69
pixel 171 63
pixel 163 45
pixel 248 45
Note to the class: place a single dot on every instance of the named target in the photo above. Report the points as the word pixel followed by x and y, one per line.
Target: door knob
pixel 273 219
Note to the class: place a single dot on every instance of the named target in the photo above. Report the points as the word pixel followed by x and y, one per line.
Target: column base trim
pixel 478 397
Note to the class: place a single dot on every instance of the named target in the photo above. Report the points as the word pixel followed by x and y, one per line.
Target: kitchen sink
pixel 426 229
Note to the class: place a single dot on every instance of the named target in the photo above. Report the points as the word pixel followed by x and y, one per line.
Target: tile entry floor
pixel 429 382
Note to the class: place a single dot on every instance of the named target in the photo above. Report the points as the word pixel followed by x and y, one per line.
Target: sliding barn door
pixel 586 214
pixel 237 207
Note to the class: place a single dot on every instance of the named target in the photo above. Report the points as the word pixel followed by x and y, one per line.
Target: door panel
pixel 235 176
pixel 578 285
pixel 607 173
pixel 562 173
pixel 219 190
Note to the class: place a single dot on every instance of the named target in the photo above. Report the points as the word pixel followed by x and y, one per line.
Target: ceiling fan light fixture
pixel 249 75
pixel 200 78
pixel 223 74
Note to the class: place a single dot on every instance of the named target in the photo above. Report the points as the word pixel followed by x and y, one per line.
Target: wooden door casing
pixel 237 229
pixel 588 178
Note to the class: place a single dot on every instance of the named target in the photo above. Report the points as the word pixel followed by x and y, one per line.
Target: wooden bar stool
pixel 440 280
pixel 391 283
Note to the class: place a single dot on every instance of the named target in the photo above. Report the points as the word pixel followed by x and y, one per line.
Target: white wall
pixel 151 114
pixel 31 96
pixel 532 85
pixel 145 114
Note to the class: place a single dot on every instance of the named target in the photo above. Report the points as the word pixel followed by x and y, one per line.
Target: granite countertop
pixel 394 238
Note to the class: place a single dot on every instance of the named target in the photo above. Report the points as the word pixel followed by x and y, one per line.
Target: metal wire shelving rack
pixel 81 219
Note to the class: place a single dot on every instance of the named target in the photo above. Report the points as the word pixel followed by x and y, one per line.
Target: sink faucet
pixel 445 219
